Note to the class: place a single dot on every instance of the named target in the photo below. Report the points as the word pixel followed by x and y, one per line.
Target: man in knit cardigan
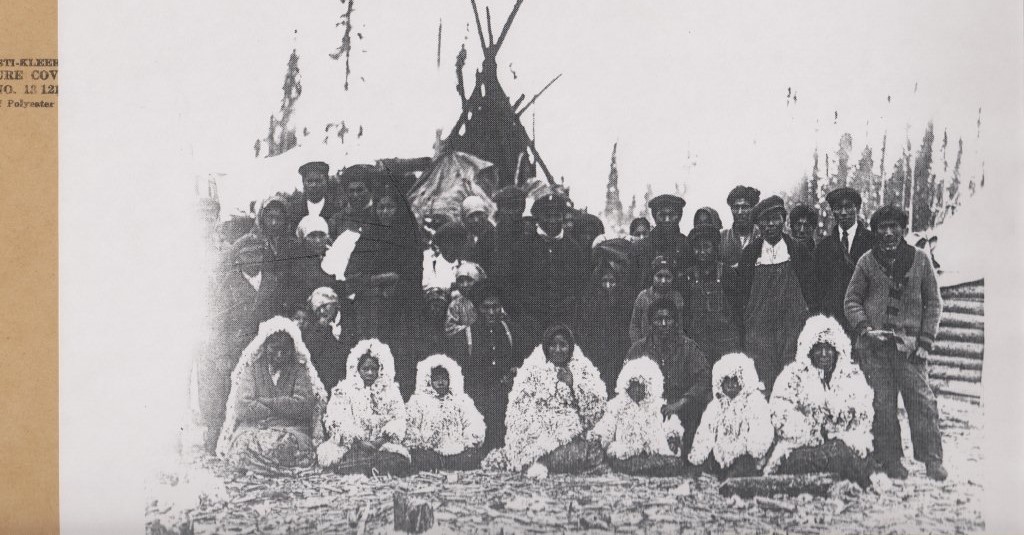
pixel 893 305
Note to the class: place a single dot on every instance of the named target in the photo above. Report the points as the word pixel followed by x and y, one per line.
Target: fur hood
pixel 365 413
pixel 447 425
pixel 250 355
pixel 802 403
pixel 733 427
pixel 629 428
pixel 455 379
pixel 544 413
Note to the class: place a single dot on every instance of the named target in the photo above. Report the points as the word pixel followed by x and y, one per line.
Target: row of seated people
pixel 280 420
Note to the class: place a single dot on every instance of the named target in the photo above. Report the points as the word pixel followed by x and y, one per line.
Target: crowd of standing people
pixel 346 332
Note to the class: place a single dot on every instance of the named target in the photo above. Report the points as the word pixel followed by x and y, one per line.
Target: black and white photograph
pixel 525 266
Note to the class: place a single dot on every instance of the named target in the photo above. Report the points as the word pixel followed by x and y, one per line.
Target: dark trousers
pixel 890 374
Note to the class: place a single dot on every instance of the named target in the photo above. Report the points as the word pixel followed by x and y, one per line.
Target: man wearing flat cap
pixel 775 276
pixel 665 240
pixel 894 307
pixel 546 267
pixel 315 198
pixel 741 201
pixel 358 184
pixel 838 254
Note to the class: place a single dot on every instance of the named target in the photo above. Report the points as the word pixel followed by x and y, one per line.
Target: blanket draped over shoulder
pixel 545 413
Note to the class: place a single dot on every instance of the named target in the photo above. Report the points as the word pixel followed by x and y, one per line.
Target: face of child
pixel 326 313
pixel 641 231
pixel 559 350
pixel 706 252
pixel 300 318
pixel 464 283
pixel 369 369
pixel 636 391
pixel 439 381
pixel 476 223
pixel 317 242
pixel 662 322
pixel 663 280
pixel 490 311
pixel 250 261
pixel 731 386
pixel 824 357
pixel 702 218
pixel 437 303
pixel 386 210
pixel 273 219
pixel 801 229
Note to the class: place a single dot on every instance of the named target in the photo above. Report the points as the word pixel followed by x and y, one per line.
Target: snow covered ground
pixel 474 502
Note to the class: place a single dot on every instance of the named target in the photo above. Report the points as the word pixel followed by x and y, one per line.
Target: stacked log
pixel 955 365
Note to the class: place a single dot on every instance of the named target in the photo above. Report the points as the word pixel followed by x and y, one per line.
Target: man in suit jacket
pixel 315 198
pixel 836 256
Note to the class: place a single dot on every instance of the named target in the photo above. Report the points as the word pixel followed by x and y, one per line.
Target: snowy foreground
pixel 474 502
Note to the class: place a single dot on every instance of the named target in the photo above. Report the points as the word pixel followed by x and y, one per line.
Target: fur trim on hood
pixel 448 425
pixel 733 427
pixel 629 428
pixel 544 413
pixel 250 355
pixel 357 411
pixel 802 403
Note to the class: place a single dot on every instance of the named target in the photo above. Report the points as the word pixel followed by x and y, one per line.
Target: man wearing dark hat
pixel 803 223
pixel 741 201
pixel 547 267
pixel 358 183
pixel 315 198
pixel 838 253
pixel 775 276
pixel 665 240
pixel 714 318
pixel 894 306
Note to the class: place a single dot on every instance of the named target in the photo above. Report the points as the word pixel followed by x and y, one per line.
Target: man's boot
pixel 935 471
pixel 895 469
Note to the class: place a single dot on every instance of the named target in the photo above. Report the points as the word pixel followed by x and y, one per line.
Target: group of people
pixel 492 338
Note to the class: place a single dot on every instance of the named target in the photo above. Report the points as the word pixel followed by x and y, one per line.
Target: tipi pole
pixel 490 32
pixel 479 29
pixel 508 24
pixel 535 97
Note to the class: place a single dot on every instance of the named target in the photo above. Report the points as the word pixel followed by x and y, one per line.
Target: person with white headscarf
pixel 366 418
pixel 822 408
pixel 736 431
pixel 637 439
pixel 272 424
pixel 556 397
pixel 329 333
pixel 444 428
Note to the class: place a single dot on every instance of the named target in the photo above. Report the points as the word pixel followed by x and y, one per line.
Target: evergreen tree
pixel 613 202
pixel 281 133
pixel 923 182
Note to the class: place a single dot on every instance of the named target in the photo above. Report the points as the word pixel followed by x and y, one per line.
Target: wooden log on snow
pixel 972 290
pixel 412 515
pixel 964 306
pixel 971 321
pixel 961 334
pixel 952 374
pixel 791 485
pixel 774 505
pixel 957 363
pixel 958 349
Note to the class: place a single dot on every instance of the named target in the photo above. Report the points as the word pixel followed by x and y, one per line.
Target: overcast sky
pixel 695 93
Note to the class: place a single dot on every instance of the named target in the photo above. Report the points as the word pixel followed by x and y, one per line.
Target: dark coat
pixel 242 309
pixel 833 268
pixel 297 208
pixel 480 249
pixel 544 274
pixel 803 266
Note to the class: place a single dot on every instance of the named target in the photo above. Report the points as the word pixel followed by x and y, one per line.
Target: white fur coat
pixel 365 413
pixel 629 428
pixel 802 405
pixel 448 425
pixel 544 413
pixel 733 427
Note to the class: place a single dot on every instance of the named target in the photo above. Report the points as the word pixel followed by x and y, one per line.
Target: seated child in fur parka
pixel 444 427
pixel 637 439
pixel 736 431
pixel 366 418
pixel 822 408
pixel 556 397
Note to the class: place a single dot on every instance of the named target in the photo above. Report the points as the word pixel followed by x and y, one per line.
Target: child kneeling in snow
pixel 557 396
pixel 822 408
pixel 445 430
pixel 366 416
pixel 637 439
pixel 736 431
